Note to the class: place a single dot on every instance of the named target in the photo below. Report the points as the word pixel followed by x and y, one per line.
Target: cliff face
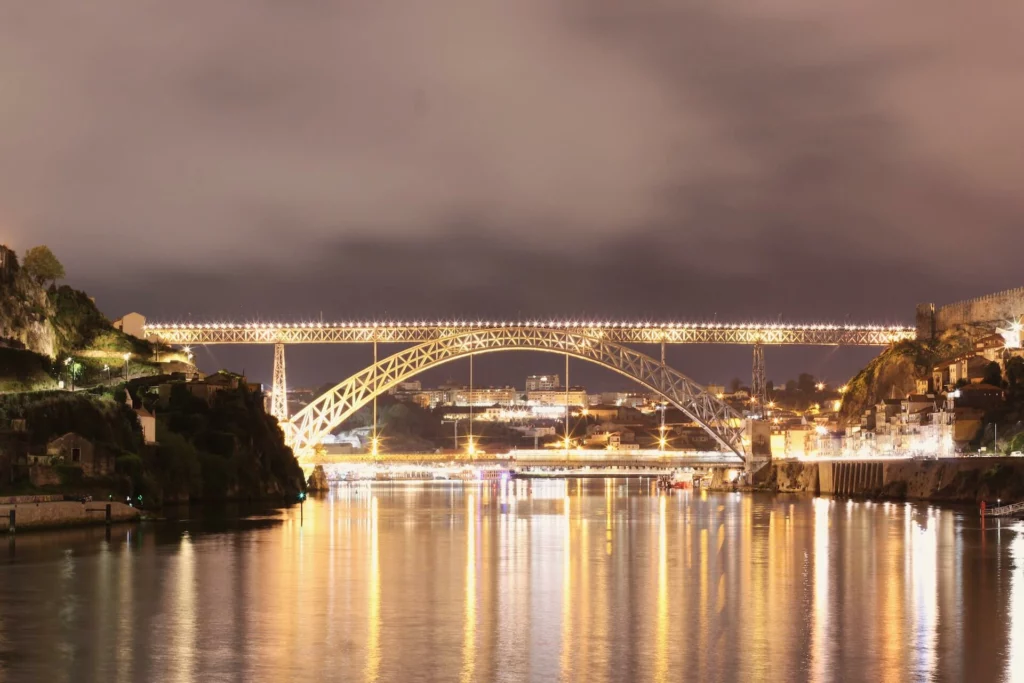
pixel 26 312
pixel 896 370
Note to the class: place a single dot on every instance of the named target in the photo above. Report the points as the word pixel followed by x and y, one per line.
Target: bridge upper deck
pixel 619 332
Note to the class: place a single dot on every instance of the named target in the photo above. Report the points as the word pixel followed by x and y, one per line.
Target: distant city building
pixel 575 397
pixel 715 389
pixel 484 396
pixel 542 382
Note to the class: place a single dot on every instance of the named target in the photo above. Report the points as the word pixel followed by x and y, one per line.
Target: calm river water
pixel 574 581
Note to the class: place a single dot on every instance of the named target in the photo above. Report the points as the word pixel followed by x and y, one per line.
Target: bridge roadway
pixel 186 334
pixel 575 459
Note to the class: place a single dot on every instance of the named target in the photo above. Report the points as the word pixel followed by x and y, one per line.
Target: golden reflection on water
pixel 535 581
pixel 1015 650
pixel 373 649
pixel 821 669
pixel 923 558
pixel 661 669
pixel 567 595
pixel 183 632
pixel 469 608
pixel 125 602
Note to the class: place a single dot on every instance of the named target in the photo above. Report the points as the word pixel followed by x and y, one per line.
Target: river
pixel 550 580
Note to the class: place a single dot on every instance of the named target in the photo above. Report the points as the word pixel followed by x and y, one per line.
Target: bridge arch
pixel 311 424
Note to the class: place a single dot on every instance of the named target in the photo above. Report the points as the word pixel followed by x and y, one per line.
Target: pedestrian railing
pixel 1002 511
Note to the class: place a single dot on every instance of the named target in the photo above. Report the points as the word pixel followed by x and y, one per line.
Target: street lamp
pixel 127 357
pixel 820 386
pixel 106 369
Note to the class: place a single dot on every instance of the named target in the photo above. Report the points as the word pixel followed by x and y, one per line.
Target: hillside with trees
pixel 226 447
pixel 52 333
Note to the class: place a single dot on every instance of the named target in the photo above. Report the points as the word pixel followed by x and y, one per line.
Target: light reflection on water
pixel 596 581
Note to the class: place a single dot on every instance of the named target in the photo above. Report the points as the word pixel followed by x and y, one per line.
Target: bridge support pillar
pixel 279 390
pixel 758 384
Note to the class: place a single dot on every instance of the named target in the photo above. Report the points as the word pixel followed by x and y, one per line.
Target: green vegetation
pixel 22 370
pixel 42 266
pixel 228 449
pixel 50 414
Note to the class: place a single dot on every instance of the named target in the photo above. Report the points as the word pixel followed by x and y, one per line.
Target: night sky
pixel 661 159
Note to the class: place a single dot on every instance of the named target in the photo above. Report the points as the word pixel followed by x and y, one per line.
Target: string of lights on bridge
pixel 560 324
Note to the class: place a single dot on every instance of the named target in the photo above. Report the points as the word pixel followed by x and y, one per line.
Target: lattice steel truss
pixel 279 390
pixel 622 333
pixel 308 427
pixel 759 382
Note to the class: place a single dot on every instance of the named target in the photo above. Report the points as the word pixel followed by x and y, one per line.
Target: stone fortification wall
pixel 997 307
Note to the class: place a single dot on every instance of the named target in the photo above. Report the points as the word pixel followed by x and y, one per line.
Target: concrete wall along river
pixel 948 479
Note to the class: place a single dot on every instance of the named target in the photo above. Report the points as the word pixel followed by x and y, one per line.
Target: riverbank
pixel 949 480
pixel 48 512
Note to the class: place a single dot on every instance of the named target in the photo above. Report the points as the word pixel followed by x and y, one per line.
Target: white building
pixel 484 396
pixel 575 397
pixel 542 382
pixel 132 324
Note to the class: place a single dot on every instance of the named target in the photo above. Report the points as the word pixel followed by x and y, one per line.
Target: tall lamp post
pixel 127 357
pixel 455 435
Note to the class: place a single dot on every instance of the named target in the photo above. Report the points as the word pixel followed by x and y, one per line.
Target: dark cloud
pixel 260 129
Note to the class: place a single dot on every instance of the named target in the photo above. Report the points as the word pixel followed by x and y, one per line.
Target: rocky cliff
pixel 896 370
pixel 26 313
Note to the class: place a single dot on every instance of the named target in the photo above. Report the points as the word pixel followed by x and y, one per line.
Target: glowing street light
pixel 843 389
pixel 820 386
pixel 127 357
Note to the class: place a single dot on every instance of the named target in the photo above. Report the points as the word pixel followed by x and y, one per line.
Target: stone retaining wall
pixel 962 480
pixel 64 513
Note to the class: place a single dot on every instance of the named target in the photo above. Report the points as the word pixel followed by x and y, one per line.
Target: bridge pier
pixel 279 390
pixel 759 383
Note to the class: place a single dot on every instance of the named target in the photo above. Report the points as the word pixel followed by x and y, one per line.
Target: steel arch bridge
pixel 310 425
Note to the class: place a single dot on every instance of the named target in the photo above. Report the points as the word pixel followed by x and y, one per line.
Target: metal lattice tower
pixel 758 386
pixel 279 391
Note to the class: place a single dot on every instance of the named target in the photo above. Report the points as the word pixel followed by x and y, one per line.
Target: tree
pixel 993 375
pixel 734 385
pixel 1015 374
pixel 42 266
pixel 806 383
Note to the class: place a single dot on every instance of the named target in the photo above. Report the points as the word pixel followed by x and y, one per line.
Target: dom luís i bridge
pixel 611 345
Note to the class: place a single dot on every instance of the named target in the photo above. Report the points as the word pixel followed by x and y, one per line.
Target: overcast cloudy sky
pixel 652 158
